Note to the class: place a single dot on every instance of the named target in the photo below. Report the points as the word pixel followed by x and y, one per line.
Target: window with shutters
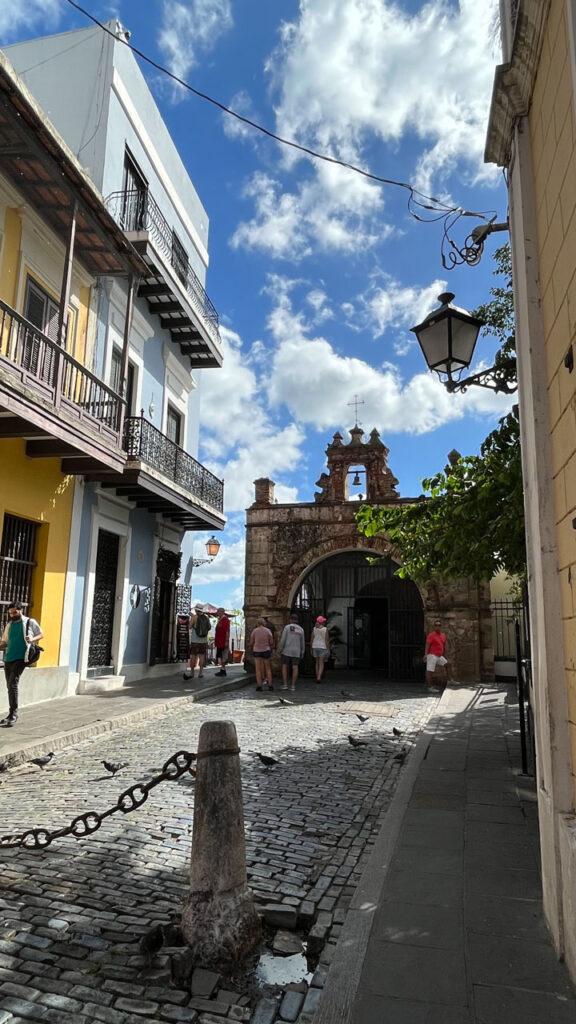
pixel 173 425
pixel 17 562
pixel 116 379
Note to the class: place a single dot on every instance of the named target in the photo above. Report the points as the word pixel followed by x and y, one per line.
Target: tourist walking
pixel 435 654
pixel 291 647
pixel 320 646
pixel 262 644
pixel 198 627
pixel 222 640
pixel 19 633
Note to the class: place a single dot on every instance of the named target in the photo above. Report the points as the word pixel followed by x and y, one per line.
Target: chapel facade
pixel 308 558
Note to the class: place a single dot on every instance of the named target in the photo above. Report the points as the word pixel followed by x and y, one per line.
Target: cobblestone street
pixel 72 915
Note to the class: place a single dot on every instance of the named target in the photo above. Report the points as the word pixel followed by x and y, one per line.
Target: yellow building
pixel 56 241
pixel 532 132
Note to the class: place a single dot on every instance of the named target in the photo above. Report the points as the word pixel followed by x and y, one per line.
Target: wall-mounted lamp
pixel 447 337
pixel 569 359
pixel 151 409
pixel 212 549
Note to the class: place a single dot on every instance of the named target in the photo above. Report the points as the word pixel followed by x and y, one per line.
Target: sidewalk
pixel 56 724
pixel 446 926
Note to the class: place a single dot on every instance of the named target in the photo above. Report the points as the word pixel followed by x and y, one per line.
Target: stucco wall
pixel 552 129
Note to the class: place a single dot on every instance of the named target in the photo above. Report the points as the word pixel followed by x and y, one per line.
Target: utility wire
pixel 439 205
pixel 416 199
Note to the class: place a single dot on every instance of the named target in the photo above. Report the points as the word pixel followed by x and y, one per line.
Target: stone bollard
pixel 219 921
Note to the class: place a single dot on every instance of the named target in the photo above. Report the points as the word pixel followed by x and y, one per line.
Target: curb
pixel 345 971
pixel 61 740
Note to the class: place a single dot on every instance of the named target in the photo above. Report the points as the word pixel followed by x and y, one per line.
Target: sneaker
pixel 270 687
pixel 10 720
pixel 222 672
pixel 293 688
pixel 258 687
pixel 186 677
pixel 284 687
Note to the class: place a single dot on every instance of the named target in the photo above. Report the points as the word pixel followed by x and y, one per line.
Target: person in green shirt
pixel 20 631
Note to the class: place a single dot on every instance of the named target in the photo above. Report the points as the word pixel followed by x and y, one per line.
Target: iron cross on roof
pixel 356 402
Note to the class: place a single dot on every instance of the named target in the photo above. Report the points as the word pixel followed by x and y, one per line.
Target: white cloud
pixel 388 304
pixel 240 441
pixel 349 74
pixel 16 15
pixel 315 383
pixel 328 212
pixel 190 29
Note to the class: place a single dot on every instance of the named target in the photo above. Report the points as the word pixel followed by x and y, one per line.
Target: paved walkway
pixel 446 926
pixel 56 724
pixel 445 922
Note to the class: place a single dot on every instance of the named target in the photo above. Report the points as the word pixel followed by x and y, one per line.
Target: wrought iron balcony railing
pixel 46 368
pixel 144 441
pixel 136 210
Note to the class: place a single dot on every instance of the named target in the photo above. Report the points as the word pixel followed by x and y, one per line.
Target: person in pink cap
pixel 320 645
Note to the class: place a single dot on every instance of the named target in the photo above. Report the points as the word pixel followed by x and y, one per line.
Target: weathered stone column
pixel 219 921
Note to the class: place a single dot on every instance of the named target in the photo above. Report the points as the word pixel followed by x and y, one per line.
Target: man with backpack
pixel 19 633
pixel 199 627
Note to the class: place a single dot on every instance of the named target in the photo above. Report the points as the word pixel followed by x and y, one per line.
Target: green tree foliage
pixel 472 522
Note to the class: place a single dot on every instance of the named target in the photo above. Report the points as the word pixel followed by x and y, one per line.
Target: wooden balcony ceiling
pixel 153 495
pixel 42 168
pixel 165 302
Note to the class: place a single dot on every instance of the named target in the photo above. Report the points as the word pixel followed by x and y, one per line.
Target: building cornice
pixel 514 81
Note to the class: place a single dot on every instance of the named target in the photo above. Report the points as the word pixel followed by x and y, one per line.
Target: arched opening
pixel 375 619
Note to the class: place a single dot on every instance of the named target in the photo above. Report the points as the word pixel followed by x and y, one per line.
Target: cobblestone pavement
pixel 72 915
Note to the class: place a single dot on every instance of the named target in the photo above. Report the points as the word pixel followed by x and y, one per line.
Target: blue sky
pixel 317 273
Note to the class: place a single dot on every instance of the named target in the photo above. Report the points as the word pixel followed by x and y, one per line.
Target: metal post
pixel 126 351
pixel 65 300
pixel 521 707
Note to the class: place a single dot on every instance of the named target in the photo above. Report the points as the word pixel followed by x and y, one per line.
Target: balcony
pixel 162 478
pixel 172 289
pixel 53 402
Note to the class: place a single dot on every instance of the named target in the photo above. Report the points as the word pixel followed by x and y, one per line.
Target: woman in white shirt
pixel 320 644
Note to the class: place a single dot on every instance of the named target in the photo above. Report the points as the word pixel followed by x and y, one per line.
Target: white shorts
pixel 435 659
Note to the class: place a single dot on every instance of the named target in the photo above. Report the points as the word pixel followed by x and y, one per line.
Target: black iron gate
pixel 102 629
pixel 375 619
pixel 163 633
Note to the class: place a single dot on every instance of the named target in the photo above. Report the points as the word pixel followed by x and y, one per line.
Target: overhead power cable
pixel 439 210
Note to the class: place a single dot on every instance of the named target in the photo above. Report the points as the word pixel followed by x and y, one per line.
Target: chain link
pixel 86 824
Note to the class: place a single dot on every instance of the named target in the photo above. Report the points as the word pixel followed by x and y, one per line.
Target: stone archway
pixel 376 620
pixel 284 543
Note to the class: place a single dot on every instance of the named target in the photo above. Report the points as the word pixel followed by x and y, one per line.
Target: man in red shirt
pixel 435 654
pixel 222 640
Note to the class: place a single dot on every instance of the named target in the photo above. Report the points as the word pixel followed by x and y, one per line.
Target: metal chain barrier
pixel 130 800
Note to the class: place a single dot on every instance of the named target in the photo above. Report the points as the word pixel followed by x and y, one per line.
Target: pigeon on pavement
pixel 266 760
pixel 397 732
pixel 346 693
pixel 356 743
pixel 363 718
pixel 399 757
pixel 114 766
pixel 152 942
pixel 286 703
pixel 42 761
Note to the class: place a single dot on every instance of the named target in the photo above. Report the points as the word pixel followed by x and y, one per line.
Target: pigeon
pixel 397 732
pixel 346 693
pixel 114 766
pixel 399 757
pixel 363 718
pixel 266 760
pixel 42 761
pixel 286 703
pixel 356 743
pixel 152 942
pixel 173 932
